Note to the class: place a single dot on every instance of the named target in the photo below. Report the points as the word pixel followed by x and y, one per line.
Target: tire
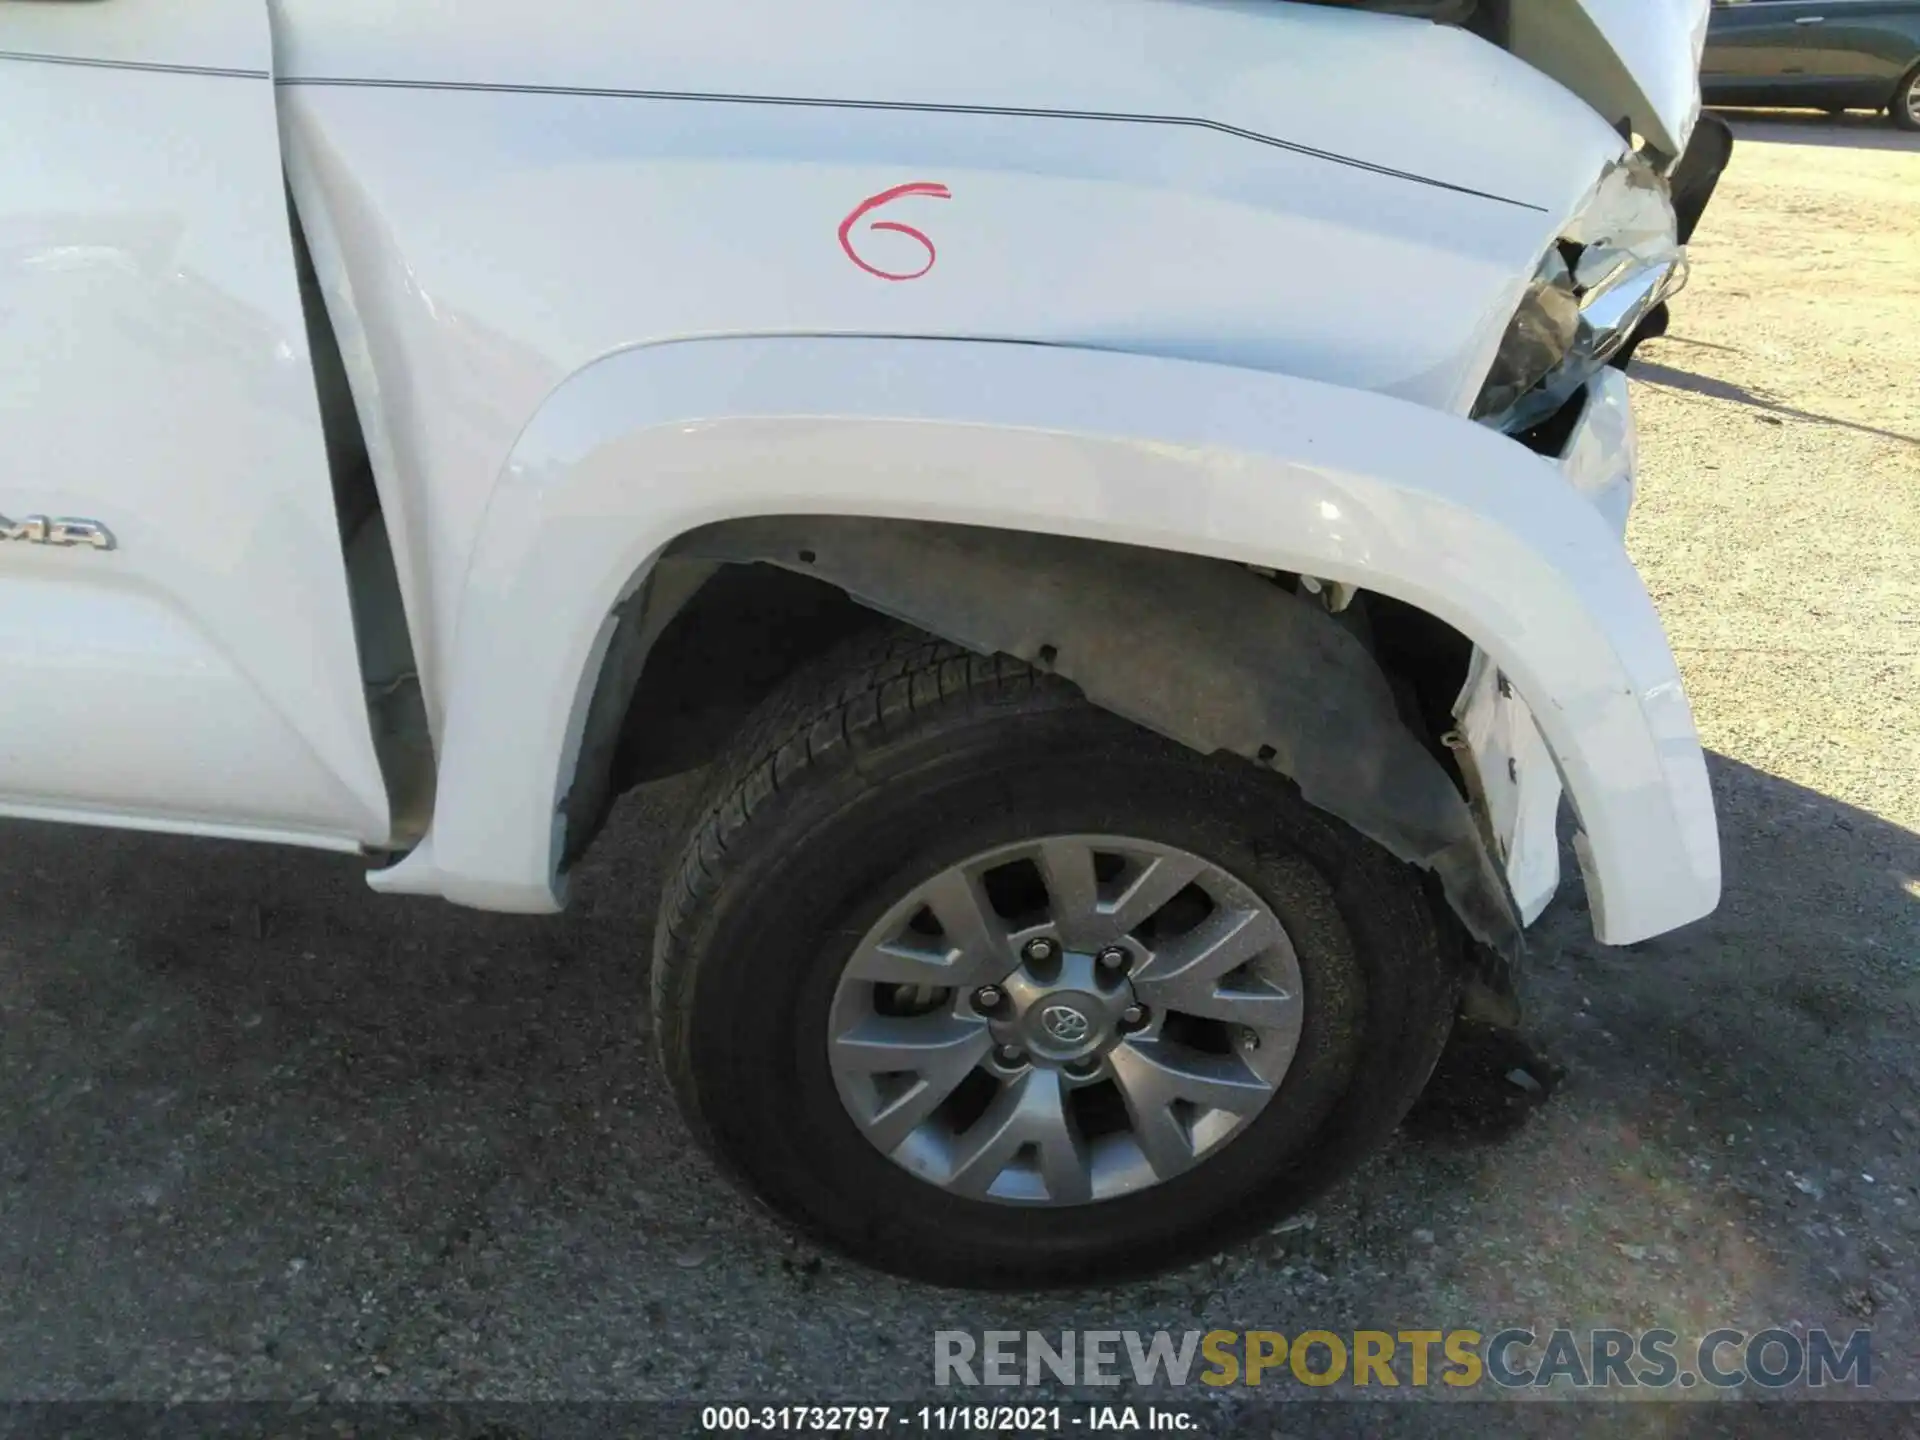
pixel 898 755
pixel 1904 109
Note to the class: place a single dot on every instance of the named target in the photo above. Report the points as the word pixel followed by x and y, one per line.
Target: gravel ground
pixel 266 1135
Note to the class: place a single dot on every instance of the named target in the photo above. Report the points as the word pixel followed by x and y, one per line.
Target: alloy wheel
pixel 1065 1020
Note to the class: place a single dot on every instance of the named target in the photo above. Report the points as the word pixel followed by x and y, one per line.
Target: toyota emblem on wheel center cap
pixel 1065 1024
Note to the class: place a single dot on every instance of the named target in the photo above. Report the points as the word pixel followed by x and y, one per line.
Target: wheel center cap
pixel 1066 1025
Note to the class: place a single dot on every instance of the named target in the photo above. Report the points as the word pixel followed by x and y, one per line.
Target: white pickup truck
pixel 1122 497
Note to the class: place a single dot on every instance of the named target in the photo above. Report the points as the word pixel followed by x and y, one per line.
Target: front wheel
pixel 986 986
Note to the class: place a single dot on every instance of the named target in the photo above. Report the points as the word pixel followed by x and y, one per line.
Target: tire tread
pixel 873 686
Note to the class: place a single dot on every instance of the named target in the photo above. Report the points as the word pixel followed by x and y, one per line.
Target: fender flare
pixel 650 444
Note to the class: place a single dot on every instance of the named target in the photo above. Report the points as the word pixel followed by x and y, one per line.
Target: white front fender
pixel 647 444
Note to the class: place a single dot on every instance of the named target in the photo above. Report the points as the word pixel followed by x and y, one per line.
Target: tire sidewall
pixel 1900 111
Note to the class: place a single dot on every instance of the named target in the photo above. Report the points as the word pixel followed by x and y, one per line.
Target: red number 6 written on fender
pixel 887 197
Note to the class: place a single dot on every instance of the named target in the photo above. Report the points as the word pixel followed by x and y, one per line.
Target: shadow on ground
pixel 266 1134
pixel 1673 378
pixel 1855 130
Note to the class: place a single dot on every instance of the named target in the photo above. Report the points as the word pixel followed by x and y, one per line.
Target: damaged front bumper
pixel 1508 768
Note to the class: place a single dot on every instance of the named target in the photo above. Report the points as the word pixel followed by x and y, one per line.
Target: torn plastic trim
pixel 1514 783
pixel 1205 653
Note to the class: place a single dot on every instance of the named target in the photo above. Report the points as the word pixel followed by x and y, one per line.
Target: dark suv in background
pixel 1828 55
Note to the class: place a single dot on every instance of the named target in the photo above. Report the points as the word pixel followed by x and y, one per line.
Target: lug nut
pixel 1081 1069
pixel 1040 948
pixel 1010 1055
pixel 988 998
pixel 1113 958
pixel 1133 1017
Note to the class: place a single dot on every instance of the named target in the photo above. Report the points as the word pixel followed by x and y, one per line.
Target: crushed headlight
pixel 1617 259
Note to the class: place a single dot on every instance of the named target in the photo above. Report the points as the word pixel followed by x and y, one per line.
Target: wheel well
pixel 1349 705
pixel 746 626
pixel 690 654
pixel 1426 660
pixel 745 630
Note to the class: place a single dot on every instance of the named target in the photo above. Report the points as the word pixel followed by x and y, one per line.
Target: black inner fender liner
pixel 1201 651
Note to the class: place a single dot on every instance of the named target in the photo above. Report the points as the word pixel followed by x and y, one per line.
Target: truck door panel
pixel 201 673
pixel 1759 53
pixel 1860 47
